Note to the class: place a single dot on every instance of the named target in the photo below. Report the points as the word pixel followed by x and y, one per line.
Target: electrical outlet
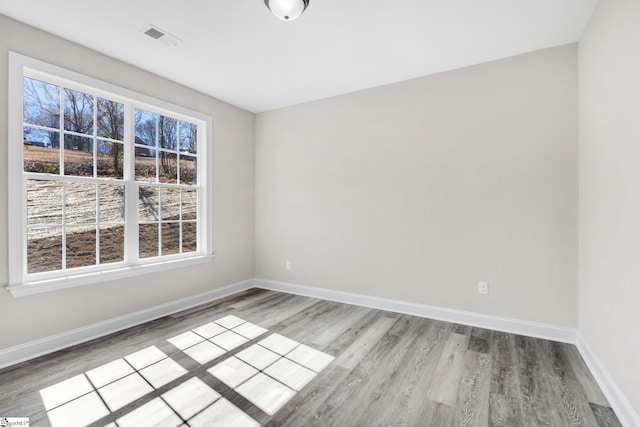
pixel 483 288
pixel 287 264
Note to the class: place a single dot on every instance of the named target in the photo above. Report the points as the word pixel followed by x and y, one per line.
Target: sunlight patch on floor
pixel 268 374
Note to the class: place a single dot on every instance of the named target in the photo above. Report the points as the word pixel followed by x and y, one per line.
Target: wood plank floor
pixel 389 369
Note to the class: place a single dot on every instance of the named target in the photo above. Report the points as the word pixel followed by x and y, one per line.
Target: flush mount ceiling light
pixel 287 10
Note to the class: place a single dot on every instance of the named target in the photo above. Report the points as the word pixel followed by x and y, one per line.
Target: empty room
pixel 319 213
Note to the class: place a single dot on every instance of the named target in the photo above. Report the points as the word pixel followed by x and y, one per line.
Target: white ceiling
pixel 236 51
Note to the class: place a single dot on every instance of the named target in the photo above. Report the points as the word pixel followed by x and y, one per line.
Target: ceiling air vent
pixel 161 35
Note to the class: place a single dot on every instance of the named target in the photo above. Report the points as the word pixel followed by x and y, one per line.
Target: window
pixel 103 182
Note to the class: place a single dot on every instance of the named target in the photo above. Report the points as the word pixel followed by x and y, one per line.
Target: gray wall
pixel 29 318
pixel 610 191
pixel 418 190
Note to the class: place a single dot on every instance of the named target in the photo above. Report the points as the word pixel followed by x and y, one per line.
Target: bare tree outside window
pixel 53 114
pixel 167 140
pixel 83 164
pixel 111 130
pixel 78 118
pixel 164 147
pixel 41 107
pixel 92 129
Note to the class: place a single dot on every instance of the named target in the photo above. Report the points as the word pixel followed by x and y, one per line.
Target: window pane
pixel 188 169
pixel 78 155
pixel 78 112
pixel 148 240
pixel 189 237
pixel 41 150
pixel 170 198
pixel 167 133
pixel 77 199
pixel 110 159
pixel 111 203
pixel 167 164
pixel 110 119
pixel 146 128
pixel 44 202
pixel 189 204
pixel 81 246
pixel 80 203
pixel 148 208
pixel 188 138
pixel 170 238
pixel 145 164
pixel 44 249
pixel 111 244
pixel 41 104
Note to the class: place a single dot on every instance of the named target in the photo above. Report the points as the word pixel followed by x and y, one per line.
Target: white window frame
pixel 20 282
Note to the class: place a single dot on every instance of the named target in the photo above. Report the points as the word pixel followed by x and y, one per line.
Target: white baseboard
pixel 623 409
pixel 20 353
pixel 514 326
pixel 618 401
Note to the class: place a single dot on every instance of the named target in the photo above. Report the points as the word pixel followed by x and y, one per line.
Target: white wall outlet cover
pixel 483 288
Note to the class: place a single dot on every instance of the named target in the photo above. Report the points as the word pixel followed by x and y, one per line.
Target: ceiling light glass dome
pixel 287 10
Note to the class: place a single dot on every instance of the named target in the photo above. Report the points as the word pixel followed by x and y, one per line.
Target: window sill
pixel 72 281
